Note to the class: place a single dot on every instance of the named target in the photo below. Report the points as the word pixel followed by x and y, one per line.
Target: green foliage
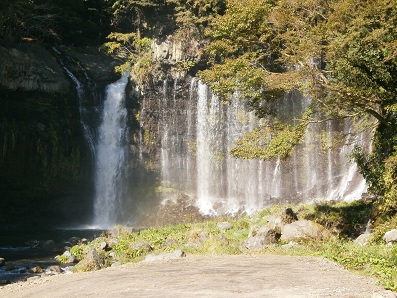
pixel 62 259
pixel 135 50
pixel 344 219
pixel 78 251
pixel 342 53
pixel 376 259
pixel 196 13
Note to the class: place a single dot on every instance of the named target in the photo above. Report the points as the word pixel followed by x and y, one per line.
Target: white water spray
pixel 111 156
pixel 88 132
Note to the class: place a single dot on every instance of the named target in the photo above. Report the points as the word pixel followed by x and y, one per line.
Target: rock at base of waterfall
pixel 68 257
pixel 143 246
pixel 49 245
pixel 390 236
pixel 224 226
pixel 363 239
pixel 104 246
pixel 288 216
pixel 90 262
pixel 55 269
pixel 174 255
pixel 2 261
pixel 259 237
pixel 304 230
pixel 119 230
pixel 74 240
pixel 36 269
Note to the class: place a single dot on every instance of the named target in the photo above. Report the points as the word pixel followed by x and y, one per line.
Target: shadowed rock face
pixel 31 67
pixel 45 164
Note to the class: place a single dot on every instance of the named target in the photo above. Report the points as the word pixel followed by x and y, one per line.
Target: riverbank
pixel 27 254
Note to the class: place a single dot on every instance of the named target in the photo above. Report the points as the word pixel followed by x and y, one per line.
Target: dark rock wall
pixel 46 167
pixel 44 164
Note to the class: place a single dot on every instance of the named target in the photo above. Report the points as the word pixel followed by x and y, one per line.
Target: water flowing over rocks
pixel 186 133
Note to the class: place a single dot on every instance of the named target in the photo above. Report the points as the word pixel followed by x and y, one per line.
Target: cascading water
pixel 197 133
pixel 111 154
pixel 88 131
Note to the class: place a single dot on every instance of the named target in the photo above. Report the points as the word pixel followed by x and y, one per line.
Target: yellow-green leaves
pixel 136 52
pixel 271 140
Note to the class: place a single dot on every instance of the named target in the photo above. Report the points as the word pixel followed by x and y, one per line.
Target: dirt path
pixel 207 276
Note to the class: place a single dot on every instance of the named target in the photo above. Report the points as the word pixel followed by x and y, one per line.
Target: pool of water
pixel 24 250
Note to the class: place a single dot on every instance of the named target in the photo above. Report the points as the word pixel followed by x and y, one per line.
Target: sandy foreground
pixel 208 276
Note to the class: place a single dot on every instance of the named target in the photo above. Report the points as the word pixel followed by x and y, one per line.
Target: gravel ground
pixel 208 276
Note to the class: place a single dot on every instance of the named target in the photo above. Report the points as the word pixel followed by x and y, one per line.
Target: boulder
pixel 68 257
pixel 259 237
pixel 119 230
pixel 195 238
pixel 363 239
pixel 74 240
pixel 2 261
pixel 303 230
pixel 390 236
pixel 55 269
pixel 36 269
pixel 174 255
pixel 288 216
pixel 49 245
pixel 144 246
pixel 90 262
pixel 274 221
pixel 224 226
pixel 104 246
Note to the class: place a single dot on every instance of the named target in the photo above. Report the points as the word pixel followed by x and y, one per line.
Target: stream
pixel 25 250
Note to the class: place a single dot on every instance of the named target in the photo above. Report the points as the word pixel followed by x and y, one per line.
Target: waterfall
pixel 88 131
pixel 111 153
pixel 199 130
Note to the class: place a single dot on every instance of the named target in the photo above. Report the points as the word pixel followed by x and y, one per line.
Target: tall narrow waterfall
pixel 111 154
pixel 198 131
pixel 88 130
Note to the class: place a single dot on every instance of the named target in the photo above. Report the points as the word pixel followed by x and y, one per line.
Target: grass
pixel 345 221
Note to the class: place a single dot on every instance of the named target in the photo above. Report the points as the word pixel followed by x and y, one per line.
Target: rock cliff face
pixel 184 133
pixel 31 67
pixel 45 163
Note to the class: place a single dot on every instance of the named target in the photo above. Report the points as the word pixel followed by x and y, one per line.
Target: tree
pixel 343 53
pixel 25 19
pixel 75 21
